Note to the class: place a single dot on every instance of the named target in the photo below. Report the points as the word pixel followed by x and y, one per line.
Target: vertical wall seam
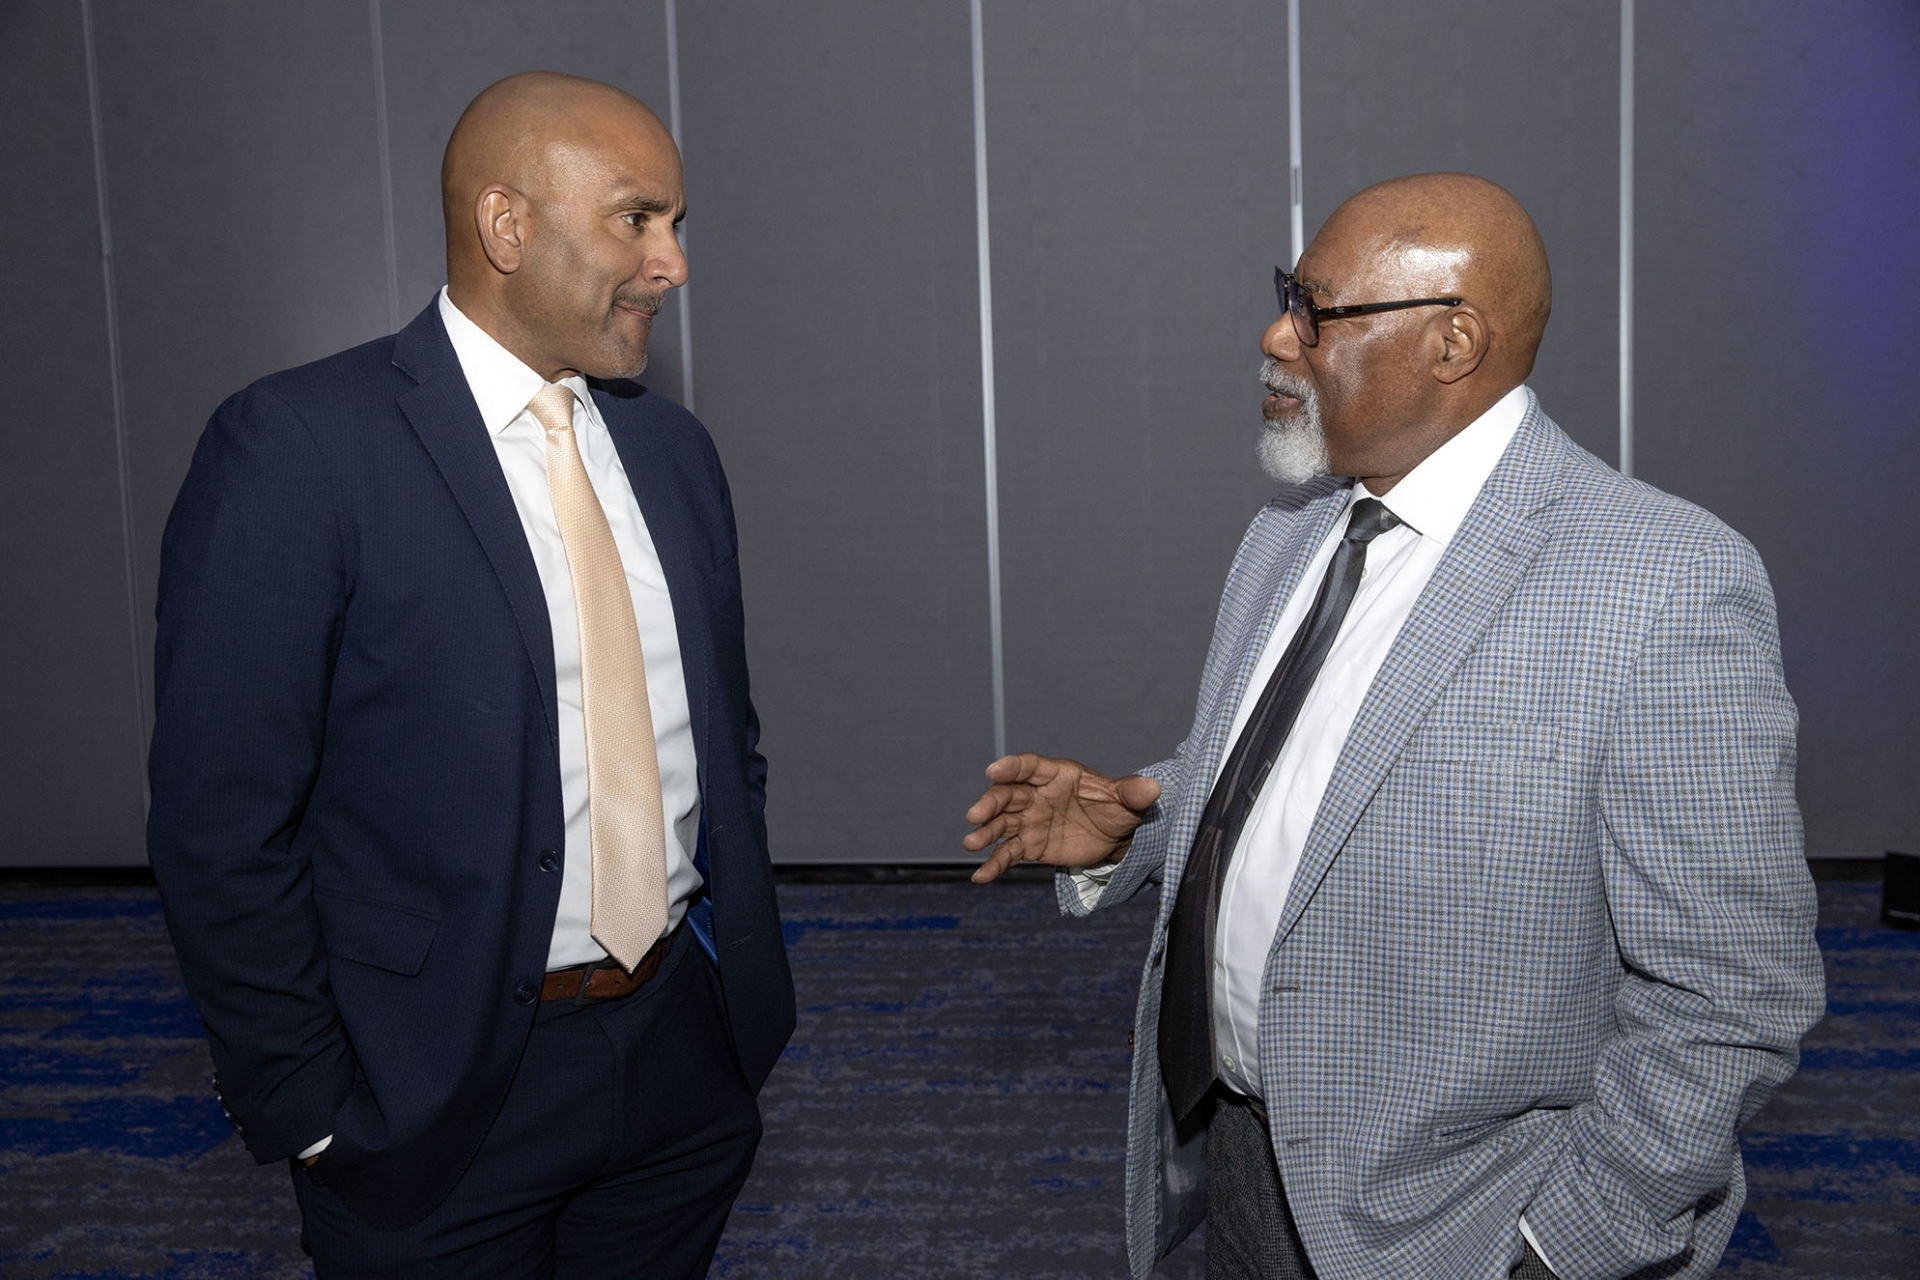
pixel 1296 191
pixel 117 383
pixel 984 251
pixel 382 133
pixel 1626 237
pixel 684 304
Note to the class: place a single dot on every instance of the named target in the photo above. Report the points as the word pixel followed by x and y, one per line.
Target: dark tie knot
pixel 1370 519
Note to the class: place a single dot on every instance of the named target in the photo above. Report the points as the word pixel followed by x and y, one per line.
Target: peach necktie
pixel 623 770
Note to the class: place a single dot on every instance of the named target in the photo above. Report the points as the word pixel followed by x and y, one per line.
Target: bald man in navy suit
pixel 383 801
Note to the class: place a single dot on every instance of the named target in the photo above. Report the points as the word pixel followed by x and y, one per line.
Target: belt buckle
pixel 580 998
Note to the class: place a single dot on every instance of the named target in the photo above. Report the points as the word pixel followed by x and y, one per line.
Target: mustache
pixel 647 302
pixel 1281 382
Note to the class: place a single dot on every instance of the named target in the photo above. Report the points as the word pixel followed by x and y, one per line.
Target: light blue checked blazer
pixel 1551 938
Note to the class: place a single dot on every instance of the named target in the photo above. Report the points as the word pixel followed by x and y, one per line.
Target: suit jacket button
pixel 527 992
pixel 549 860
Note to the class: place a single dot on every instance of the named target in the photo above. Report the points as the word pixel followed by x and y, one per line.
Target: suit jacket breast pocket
pixel 1477 788
pixel 386 935
pixel 1501 746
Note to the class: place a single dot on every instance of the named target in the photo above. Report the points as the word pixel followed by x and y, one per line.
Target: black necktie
pixel 1186 997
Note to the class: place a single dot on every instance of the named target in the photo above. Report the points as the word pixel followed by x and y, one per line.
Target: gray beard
pixel 1295 451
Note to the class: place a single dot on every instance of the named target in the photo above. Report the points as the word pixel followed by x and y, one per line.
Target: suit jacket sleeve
pixel 1713 912
pixel 756 764
pixel 252 599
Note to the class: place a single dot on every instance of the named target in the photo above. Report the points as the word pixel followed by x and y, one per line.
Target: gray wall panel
pixel 245 204
pixel 1777 304
pixel 438 56
pixel 1138 166
pixel 1526 94
pixel 1139 182
pixel 70 740
pixel 829 166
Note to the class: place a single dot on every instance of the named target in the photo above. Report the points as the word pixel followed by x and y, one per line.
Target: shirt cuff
pixel 1091 882
pixel 1534 1244
pixel 327 1141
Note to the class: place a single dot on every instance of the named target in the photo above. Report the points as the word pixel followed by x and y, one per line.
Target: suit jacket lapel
pixel 1277 555
pixel 1489 554
pixel 443 414
pixel 672 524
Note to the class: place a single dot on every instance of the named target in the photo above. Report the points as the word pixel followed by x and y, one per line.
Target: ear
pixel 500 216
pixel 1463 337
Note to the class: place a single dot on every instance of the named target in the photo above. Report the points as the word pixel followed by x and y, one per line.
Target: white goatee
pixel 1294 451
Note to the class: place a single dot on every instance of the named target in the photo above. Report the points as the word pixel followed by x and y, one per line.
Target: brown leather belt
pixel 604 979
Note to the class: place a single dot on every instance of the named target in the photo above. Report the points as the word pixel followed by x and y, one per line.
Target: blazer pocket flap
pixel 385 935
pixel 1459 742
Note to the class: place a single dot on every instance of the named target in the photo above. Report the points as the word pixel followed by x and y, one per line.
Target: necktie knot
pixel 552 407
pixel 1370 519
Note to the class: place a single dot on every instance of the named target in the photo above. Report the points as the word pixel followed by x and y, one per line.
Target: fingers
pixel 1002 858
pixel 1028 766
pixel 987 833
pixel 1006 798
pixel 993 800
pixel 995 814
pixel 1137 792
pixel 1022 783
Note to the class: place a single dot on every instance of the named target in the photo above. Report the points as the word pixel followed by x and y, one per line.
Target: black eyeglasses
pixel 1307 317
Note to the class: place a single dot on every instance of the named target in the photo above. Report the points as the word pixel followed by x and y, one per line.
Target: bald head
pixel 1457 234
pixel 560 197
pixel 1371 390
pixel 523 132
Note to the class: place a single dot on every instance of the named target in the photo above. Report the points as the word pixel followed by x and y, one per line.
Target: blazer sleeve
pixel 1713 912
pixel 756 763
pixel 252 600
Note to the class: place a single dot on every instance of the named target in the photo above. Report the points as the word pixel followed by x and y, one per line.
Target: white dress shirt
pixel 502 386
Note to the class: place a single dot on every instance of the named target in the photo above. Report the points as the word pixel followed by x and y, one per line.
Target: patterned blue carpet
pixel 952 1106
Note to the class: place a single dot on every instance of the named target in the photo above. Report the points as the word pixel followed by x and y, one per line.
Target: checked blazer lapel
pixel 1489 555
pixel 443 414
pixel 1275 555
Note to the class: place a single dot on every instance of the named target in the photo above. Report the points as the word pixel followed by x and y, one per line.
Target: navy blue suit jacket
pixel 355 768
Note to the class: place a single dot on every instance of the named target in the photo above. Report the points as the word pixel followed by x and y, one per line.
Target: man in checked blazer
pixel 1485 917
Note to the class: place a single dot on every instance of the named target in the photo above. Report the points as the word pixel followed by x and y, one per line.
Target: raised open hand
pixel 1044 809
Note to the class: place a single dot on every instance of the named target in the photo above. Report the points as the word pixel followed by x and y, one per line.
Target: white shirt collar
pixel 502 383
pixel 1435 496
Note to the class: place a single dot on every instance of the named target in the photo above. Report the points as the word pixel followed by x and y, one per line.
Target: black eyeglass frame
pixel 1307 317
